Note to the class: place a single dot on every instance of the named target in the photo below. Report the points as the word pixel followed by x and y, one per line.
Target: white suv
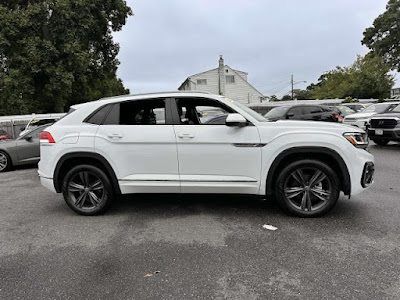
pixel 165 143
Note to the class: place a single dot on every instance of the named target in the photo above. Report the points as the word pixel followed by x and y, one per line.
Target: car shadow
pixel 190 203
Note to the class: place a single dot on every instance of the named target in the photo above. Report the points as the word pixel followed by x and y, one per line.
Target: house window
pixel 230 79
pixel 202 81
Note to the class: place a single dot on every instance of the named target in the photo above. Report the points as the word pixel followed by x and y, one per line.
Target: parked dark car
pixel 4 135
pixel 385 127
pixel 21 151
pixel 342 111
pixel 305 112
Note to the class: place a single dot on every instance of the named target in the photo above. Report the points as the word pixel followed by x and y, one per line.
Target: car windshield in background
pixel 248 110
pixel 379 108
pixel 346 109
pixel 396 109
pixel 276 112
pixel 40 122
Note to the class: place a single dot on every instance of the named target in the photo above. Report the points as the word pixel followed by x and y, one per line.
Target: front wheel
pixel 381 142
pixel 5 162
pixel 307 188
pixel 87 190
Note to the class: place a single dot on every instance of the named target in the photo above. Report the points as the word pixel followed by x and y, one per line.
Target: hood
pixel 361 115
pixel 388 115
pixel 312 125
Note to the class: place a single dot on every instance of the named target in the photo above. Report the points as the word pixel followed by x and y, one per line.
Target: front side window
pixel 140 112
pixel 295 112
pixel 202 112
pixel 308 110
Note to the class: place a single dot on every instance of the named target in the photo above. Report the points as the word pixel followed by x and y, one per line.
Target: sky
pixel 166 41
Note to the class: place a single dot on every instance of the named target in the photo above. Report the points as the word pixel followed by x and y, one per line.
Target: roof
pixel 187 78
pixel 143 96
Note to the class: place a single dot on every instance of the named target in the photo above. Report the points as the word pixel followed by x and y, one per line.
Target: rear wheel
pixel 5 162
pixel 87 190
pixel 381 142
pixel 307 188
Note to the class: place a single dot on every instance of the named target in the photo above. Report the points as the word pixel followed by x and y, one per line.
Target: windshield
pixel 397 108
pixel 248 110
pixel 379 108
pixel 276 112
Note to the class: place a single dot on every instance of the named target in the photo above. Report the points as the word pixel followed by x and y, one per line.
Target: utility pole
pixel 292 82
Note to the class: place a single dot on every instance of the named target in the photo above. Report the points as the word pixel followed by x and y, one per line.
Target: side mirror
pixel 289 115
pixel 28 138
pixel 233 120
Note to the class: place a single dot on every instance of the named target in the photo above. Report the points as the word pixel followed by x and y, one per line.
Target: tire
pixel 307 188
pixel 5 162
pixel 87 190
pixel 381 142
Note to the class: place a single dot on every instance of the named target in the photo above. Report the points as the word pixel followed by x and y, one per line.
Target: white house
pixel 395 93
pixel 223 81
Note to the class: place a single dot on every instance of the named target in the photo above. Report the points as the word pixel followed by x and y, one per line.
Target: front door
pixel 215 158
pixel 138 139
pixel 28 147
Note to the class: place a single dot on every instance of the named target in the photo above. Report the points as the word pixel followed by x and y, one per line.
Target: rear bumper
pixel 388 133
pixel 47 182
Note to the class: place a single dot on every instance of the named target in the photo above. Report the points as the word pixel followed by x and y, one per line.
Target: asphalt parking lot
pixel 200 248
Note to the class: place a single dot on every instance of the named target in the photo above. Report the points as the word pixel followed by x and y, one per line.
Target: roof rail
pixel 156 93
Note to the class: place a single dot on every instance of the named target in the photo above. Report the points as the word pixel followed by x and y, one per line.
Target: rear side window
pixel 99 115
pixel 139 112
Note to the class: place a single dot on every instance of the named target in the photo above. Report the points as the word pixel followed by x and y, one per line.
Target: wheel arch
pixel 69 160
pixel 326 155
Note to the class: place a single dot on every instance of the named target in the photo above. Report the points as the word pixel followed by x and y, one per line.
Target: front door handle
pixel 185 135
pixel 115 136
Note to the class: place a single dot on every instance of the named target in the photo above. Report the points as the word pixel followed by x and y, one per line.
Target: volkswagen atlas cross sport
pixel 162 143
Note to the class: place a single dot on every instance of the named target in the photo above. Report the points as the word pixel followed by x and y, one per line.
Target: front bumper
pixel 362 123
pixel 388 133
pixel 368 174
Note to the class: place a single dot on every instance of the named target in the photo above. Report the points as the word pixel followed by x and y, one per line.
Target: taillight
pixel 46 137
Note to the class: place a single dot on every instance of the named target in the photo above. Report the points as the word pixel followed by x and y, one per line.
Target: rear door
pixel 215 158
pixel 138 139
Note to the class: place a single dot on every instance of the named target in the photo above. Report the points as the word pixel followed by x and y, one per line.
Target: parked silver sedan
pixel 21 151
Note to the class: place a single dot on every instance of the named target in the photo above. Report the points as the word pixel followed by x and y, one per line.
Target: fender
pixel 344 172
pixel 92 155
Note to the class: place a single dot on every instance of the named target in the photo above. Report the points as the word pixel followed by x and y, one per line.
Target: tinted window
pixel 200 111
pixel 99 115
pixel 141 112
pixel 296 111
pixel 307 110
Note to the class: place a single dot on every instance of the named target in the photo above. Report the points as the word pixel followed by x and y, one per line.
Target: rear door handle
pixel 115 136
pixel 185 135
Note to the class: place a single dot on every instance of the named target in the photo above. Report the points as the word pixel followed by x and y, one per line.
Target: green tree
pixel 286 97
pixel 57 53
pixel 302 94
pixel 367 78
pixel 383 38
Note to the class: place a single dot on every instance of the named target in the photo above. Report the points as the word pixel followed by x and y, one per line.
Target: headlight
pixel 357 139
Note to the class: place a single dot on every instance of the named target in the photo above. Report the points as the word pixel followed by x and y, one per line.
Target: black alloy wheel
pixel 307 188
pixel 87 190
